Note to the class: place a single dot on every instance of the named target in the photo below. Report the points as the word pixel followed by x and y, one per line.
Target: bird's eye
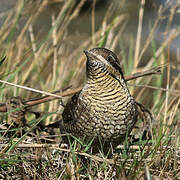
pixel 114 62
pixel 111 59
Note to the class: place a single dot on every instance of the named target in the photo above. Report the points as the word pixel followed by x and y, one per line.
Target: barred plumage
pixel 104 107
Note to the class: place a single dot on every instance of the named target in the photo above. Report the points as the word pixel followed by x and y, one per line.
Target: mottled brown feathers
pixel 104 108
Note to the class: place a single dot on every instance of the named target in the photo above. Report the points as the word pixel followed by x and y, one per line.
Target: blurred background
pixel 44 42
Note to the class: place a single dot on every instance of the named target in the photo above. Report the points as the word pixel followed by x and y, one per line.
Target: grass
pixel 45 60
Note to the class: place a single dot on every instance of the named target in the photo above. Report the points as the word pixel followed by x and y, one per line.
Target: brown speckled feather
pixel 104 107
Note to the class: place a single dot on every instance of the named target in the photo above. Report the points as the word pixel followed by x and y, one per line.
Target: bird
pixel 104 110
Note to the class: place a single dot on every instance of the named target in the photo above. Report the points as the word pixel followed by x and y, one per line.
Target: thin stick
pixel 47 98
pixel 156 70
pixel 172 91
pixel 51 96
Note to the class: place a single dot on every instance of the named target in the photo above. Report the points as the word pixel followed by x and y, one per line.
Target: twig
pixel 174 91
pixel 156 70
pixel 52 96
pixel 43 99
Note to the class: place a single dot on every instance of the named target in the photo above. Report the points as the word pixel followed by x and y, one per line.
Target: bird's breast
pixel 107 113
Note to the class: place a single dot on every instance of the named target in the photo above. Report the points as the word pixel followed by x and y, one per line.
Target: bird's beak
pixel 89 54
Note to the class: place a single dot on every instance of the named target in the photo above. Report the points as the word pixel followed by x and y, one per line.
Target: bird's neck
pixel 105 86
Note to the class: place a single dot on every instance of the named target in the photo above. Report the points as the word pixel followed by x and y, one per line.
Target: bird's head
pixel 101 61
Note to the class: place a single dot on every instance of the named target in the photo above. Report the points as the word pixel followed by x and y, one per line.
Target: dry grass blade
pixel 139 32
pixel 31 89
